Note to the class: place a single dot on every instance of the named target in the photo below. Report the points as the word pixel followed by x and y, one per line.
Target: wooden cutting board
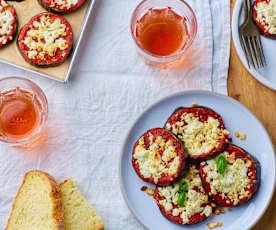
pixel 262 102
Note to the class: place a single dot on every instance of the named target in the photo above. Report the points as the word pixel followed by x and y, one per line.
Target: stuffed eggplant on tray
pixel 8 23
pixel 46 40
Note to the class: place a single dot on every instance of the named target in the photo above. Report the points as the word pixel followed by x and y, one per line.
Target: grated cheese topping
pixel 63 4
pixel 233 182
pixel 6 23
pixel 266 15
pixel 45 37
pixel 198 137
pixel 152 163
pixel 196 197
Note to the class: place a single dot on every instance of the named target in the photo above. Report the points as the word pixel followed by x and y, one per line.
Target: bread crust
pixel 55 196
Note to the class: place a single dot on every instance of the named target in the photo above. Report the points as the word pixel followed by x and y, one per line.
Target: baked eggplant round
pixel 264 16
pixel 158 157
pixel 185 202
pixel 46 40
pixel 201 130
pixel 61 6
pixel 236 182
pixel 8 23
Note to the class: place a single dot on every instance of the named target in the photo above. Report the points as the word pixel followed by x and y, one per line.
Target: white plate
pixel 265 75
pixel 236 117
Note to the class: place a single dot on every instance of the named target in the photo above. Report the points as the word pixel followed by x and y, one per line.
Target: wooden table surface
pixel 262 102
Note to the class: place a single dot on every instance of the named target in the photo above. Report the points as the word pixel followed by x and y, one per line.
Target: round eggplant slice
pixel 233 182
pixel 61 6
pixel 46 40
pixel 263 15
pixel 158 157
pixel 8 23
pixel 186 201
pixel 201 130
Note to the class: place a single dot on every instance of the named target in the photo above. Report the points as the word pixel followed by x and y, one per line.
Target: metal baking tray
pixel 23 10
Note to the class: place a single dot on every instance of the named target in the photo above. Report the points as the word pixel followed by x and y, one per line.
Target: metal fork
pixel 250 39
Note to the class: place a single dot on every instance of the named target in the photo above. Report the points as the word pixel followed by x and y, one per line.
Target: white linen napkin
pixel 111 86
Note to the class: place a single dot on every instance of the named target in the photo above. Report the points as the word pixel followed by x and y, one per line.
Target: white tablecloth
pixel 89 116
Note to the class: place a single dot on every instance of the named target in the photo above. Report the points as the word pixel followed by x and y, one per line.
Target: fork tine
pixel 244 50
pixel 252 53
pixel 261 50
pixel 248 56
pixel 247 48
pixel 257 51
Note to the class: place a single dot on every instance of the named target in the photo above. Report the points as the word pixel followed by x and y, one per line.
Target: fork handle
pixel 249 9
pixel 245 6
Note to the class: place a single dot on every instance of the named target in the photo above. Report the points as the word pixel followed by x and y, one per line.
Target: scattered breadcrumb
pixel 214 225
pixel 228 208
pixel 242 136
pixel 148 190
pixel 194 104
pixel 219 211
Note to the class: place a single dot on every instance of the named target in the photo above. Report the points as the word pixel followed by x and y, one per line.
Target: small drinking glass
pixel 23 111
pixel 174 14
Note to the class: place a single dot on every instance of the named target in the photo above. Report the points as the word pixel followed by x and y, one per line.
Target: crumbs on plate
pixel 242 136
pixel 214 225
pixel 219 211
pixel 149 191
pixel 194 104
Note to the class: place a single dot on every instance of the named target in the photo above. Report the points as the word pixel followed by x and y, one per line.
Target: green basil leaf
pixel 221 164
pixel 181 199
pixel 184 186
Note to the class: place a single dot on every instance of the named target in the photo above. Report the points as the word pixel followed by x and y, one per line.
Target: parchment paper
pixel 25 10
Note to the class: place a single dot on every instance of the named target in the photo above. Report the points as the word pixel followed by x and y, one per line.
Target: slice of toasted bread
pixel 37 205
pixel 78 213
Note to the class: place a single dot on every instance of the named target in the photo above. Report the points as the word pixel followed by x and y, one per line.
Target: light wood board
pixel 262 102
